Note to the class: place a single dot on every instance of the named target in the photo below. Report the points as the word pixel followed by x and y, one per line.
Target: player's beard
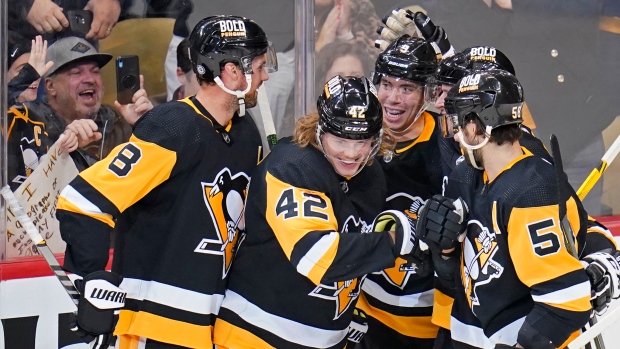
pixel 477 158
pixel 251 99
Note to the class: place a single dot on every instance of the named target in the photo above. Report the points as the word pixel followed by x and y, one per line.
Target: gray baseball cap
pixel 71 49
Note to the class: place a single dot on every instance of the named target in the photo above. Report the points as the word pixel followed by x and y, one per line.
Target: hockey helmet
pixel 495 97
pixel 217 40
pixel 409 58
pixel 472 59
pixel 349 108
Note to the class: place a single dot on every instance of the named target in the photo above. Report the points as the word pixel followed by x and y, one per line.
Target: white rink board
pixel 46 298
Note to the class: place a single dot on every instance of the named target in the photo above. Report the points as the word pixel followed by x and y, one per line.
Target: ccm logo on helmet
pixel 355 128
pixel 469 83
pixel 232 28
pixel 483 53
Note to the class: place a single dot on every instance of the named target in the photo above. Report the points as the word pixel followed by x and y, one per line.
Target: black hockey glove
pixel 399 23
pixel 357 328
pixel 603 269
pixel 441 222
pixel 100 301
pixel 433 33
pixel 403 228
pixel 506 346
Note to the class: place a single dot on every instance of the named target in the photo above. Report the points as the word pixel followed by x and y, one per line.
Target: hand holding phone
pixel 127 78
pixel 79 21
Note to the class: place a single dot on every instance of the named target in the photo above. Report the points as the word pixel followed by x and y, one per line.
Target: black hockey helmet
pixel 17 45
pixel 217 40
pixel 409 58
pixel 494 96
pixel 472 59
pixel 349 108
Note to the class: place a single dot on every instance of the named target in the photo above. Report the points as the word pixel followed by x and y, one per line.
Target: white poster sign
pixel 38 195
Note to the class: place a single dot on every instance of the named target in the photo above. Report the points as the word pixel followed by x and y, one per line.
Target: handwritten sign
pixel 38 195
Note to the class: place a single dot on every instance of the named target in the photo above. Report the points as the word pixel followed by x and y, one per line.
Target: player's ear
pixel 232 70
pixel 181 76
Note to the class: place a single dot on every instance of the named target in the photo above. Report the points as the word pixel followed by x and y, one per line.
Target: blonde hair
pixel 305 134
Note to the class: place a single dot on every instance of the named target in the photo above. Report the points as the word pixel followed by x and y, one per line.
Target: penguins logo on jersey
pixel 344 293
pixel 401 272
pixel 224 197
pixel 356 225
pixel 478 267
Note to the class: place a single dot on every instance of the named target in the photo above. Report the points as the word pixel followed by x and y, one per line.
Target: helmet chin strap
pixel 362 162
pixel 470 148
pixel 402 132
pixel 425 104
pixel 239 94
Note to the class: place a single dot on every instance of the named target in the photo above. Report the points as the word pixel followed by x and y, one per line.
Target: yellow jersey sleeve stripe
pixel 72 201
pixel 164 330
pixel 291 226
pixel 315 263
pixel 574 298
pixel 535 238
pixel 153 166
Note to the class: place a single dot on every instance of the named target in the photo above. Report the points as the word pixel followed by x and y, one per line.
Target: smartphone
pixel 127 78
pixel 79 21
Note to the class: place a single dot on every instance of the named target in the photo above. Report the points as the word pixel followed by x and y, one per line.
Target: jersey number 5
pixel 544 240
pixel 288 206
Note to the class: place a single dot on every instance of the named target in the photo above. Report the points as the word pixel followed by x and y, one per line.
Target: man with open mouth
pixel 72 105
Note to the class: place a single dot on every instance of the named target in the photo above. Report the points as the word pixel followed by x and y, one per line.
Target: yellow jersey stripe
pixel 412 326
pixel 152 167
pixel 442 309
pixel 164 330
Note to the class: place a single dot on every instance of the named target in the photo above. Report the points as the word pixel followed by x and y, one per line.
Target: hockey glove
pixel 441 222
pixel 433 33
pixel 100 301
pixel 603 270
pixel 506 346
pixel 357 328
pixel 402 226
pixel 400 22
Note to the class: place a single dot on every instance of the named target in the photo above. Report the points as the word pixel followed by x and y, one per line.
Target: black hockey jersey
pixel 398 298
pixel 515 248
pixel 175 193
pixel 299 268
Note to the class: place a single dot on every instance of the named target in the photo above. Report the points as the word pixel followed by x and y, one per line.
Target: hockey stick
pixel 40 243
pixel 265 112
pixel 567 230
pixel 596 330
pixel 596 173
pixel 565 226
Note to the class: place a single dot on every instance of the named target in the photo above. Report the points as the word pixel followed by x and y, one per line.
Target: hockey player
pixel 481 58
pixel 298 271
pixel 175 193
pixel 513 211
pixel 399 300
